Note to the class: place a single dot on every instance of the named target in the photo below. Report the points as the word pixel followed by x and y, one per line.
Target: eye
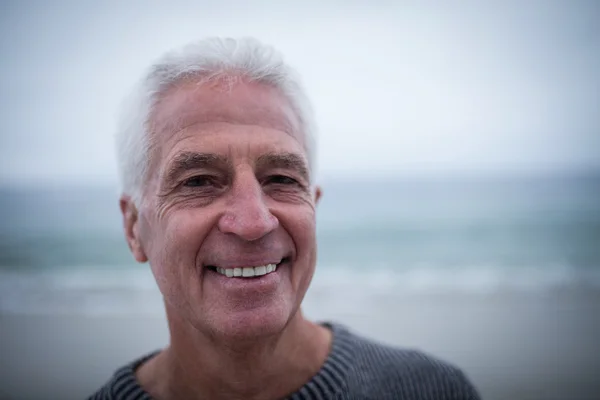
pixel 199 181
pixel 281 180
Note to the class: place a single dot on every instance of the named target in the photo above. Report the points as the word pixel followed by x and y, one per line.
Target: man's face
pixel 229 189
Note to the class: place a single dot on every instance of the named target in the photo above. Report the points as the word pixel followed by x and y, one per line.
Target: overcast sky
pixel 399 87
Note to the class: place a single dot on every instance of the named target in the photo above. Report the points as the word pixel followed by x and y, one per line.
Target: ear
pixel 130 227
pixel 318 194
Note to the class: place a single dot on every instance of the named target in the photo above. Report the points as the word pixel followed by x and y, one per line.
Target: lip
pixel 246 286
pixel 247 262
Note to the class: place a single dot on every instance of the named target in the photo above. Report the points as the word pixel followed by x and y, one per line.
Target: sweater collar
pixel 328 381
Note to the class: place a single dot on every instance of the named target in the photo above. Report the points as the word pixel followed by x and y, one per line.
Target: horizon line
pixel 379 176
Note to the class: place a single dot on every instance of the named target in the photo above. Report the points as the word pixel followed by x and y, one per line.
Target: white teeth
pixel 247 272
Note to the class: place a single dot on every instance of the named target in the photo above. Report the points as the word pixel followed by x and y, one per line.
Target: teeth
pixel 258 271
pixel 247 272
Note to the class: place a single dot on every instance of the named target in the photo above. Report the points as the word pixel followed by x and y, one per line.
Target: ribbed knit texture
pixel 356 368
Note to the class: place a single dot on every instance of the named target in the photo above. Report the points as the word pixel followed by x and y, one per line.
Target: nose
pixel 247 215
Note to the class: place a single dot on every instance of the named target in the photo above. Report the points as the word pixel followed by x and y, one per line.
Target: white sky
pixel 398 86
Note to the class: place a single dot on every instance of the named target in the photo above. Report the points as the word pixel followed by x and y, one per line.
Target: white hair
pixel 208 58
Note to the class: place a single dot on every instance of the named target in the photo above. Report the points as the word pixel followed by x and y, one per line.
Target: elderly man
pixel 216 157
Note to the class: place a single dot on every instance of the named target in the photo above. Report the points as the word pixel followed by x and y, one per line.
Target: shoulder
pixel 384 370
pixel 123 384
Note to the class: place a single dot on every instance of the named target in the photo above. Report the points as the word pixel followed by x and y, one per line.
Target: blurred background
pixel 459 152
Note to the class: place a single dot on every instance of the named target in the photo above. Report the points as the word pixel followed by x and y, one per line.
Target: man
pixel 216 157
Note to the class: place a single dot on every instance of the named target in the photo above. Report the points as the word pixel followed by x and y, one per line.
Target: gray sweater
pixel 356 368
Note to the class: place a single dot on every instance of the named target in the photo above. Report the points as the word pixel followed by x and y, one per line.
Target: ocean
pixel 62 249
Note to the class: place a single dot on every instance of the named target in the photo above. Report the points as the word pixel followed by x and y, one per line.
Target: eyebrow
pixel 187 161
pixel 289 161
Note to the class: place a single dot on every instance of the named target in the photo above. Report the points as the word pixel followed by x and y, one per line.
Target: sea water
pixel 62 248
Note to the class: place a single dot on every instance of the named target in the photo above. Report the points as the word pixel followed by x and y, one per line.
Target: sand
pixel 513 345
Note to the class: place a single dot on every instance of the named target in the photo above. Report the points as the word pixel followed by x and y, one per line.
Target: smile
pixel 246 272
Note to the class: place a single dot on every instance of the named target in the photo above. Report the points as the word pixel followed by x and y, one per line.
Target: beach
pixel 512 345
pixel 498 277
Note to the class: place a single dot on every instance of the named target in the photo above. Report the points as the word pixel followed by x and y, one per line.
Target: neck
pixel 197 366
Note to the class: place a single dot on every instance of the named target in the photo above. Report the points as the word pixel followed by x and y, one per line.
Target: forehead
pixel 228 99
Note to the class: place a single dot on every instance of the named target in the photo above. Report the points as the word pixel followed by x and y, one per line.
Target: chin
pixel 265 321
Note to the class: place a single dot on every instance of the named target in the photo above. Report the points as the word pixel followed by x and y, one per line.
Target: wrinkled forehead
pixel 226 99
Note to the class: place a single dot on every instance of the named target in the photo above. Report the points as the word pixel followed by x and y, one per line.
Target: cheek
pixel 178 237
pixel 173 254
pixel 302 231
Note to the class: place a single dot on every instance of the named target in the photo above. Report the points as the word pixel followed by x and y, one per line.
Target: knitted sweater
pixel 356 368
